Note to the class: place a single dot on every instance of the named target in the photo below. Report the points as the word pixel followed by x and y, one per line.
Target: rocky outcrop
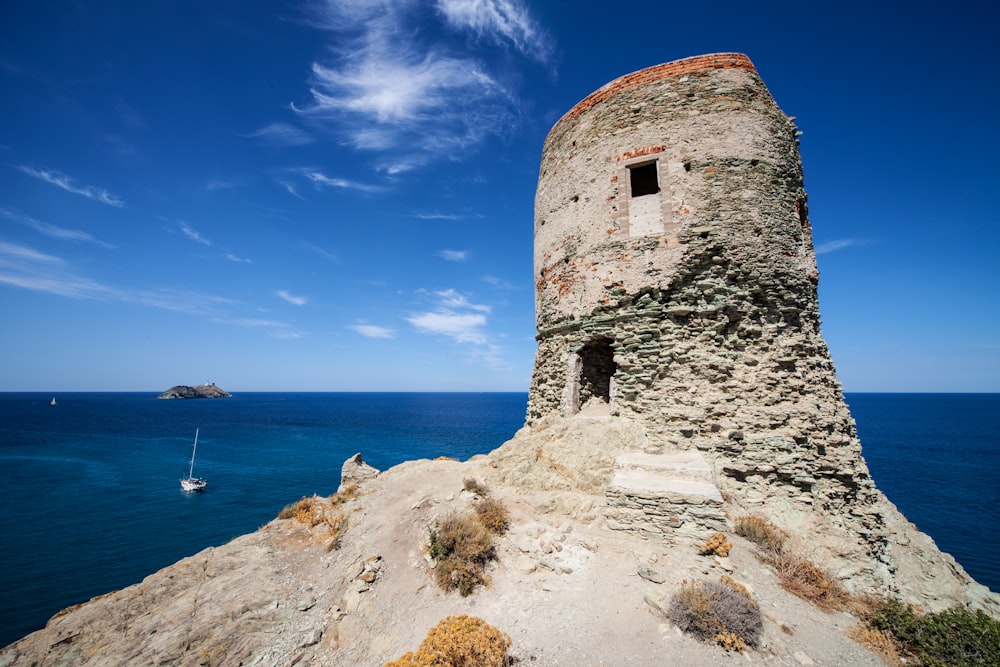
pixel 355 471
pixel 197 391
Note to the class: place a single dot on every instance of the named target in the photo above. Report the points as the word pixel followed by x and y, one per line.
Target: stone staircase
pixel 664 496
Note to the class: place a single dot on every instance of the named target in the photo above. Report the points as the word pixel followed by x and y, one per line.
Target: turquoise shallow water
pixel 92 501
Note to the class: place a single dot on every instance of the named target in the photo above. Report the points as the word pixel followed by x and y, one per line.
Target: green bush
pixel 955 637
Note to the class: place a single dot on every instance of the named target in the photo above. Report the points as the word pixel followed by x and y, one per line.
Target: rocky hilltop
pixel 570 586
pixel 681 389
pixel 197 391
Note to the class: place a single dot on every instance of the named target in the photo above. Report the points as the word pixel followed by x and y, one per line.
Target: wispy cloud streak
pixel 372 331
pixel 388 88
pixel 26 268
pixel 189 232
pixel 291 298
pixel 454 255
pixel 282 134
pixel 52 231
pixel 319 179
pixel 837 244
pixel 501 21
pixel 67 183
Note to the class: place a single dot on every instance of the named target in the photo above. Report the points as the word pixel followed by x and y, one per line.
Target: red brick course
pixel 664 71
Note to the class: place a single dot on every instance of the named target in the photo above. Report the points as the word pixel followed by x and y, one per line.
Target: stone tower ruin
pixel 676 285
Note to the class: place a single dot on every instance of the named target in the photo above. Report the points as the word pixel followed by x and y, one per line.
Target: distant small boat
pixel 53 401
pixel 192 483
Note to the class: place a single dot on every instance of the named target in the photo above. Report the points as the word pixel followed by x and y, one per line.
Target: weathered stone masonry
pixel 676 280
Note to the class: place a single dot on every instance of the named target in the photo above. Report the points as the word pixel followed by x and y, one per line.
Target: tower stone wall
pixel 676 283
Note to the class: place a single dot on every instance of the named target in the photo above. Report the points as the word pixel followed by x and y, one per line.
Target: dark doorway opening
pixel 597 366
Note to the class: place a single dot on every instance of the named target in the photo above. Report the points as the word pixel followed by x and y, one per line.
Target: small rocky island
pixel 208 390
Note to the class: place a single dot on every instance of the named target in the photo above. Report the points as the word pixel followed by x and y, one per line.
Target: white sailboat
pixel 192 483
pixel 53 401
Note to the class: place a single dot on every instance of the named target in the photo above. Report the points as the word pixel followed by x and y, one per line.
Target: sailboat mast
pixel 193 450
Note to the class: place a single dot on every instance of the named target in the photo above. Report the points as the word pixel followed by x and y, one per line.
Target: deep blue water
pixel 93 504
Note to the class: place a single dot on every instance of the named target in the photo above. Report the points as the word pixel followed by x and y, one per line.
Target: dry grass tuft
pixel 797 574
pixel 315 511
pixel 461 547
pixel 473 485
pixel 760 531
pixel 493 515
pixel 716 544
pixel 878 643
pixel 460 641
pixel 348 493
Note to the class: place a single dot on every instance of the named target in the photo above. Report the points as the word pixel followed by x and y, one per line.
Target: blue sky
pixel 337 196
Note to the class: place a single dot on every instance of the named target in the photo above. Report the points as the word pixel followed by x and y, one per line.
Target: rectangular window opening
pixel 643 179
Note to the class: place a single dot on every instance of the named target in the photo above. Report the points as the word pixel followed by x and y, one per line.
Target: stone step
pixel 664 495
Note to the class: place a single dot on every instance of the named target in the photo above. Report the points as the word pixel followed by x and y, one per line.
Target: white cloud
pixel 453 299
pixel 289 187
pixel 52 231
pixel 322 252
pixel 192 234
pixel 10 251
pixel 499 283
pixel 239 260
pixel 29 269
pixel 837 244
pixel 400 86
pixel 462 327
pixel 321 179
pixel 456 317
pixel 372 331
pixel 220 184
pixel 292 299
pixel 500 20
pixel 282 134
pixel 66 183
pixel 454 255
pixel 438 216
pixel 272 327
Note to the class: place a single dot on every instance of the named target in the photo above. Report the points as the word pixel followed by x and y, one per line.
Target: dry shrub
pixel 731 641
pixel 307 511
pixel 716 544
pixel 800 577
pixel 797 574
pixel 760 531
pixel 315 511
pixel 349 492
pixel 460 641
pixel 721 611
pixel 878 643
pixel 493 515
pixel 462 547
pixel 473 485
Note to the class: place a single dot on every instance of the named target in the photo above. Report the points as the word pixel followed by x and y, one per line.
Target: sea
pixel 92 500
